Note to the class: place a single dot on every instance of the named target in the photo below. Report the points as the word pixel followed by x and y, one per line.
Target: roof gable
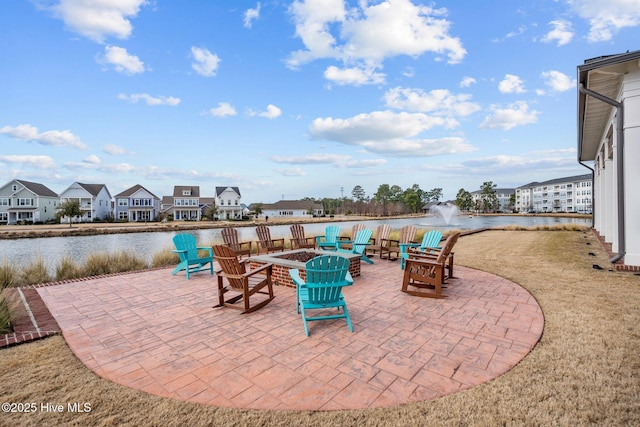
pixel 179 190
pixel 220 190
pixel 37 189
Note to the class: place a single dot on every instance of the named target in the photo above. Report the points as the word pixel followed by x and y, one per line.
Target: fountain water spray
pixel 447 211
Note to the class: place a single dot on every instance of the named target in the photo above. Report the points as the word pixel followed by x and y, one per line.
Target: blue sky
pixel 297 98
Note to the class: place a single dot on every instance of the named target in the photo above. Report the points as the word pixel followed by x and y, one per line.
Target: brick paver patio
pixel 158 333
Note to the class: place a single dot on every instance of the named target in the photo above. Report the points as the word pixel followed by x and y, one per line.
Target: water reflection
pixel 52 250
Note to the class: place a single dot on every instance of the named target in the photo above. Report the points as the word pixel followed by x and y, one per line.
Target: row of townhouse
pixel 570 194
pixel 24 201
pixel 29 202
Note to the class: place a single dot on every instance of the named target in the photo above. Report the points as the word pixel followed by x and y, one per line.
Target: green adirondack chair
pixel 326 275
pixel 430 240
pixel 189 252
pixel 328 242
pixel 358 245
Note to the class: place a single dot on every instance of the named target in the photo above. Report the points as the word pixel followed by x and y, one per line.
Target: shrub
pixel 67 270
pixel 100 263
pixel 165 258
pixel 96 264
pixel 126 261
pixel 5 315
pixel 8 276
pixel 36 272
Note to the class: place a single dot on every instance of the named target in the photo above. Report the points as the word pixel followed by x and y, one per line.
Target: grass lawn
pixel 584 371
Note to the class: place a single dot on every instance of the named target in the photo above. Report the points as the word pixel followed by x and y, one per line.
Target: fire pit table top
pixel 297 258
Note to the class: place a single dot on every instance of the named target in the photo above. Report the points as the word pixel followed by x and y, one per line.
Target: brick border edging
pixel 23 337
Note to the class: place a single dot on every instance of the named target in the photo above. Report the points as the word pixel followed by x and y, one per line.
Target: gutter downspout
pixel 593 186
pixel 620 171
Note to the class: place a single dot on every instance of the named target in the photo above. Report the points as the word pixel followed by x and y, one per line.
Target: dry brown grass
pixel 584 371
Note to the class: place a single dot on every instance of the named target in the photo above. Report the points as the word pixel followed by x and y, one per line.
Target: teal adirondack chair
pixel 358 245
pixel 326 276
pixel 430 241
pixel 329 242
pixel 190 259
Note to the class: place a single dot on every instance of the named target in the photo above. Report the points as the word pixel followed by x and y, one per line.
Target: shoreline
pixel 12 232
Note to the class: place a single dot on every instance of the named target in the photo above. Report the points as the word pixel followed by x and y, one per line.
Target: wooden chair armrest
pixel 425 262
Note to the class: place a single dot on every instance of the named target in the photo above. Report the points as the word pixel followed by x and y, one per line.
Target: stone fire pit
pixel 283 261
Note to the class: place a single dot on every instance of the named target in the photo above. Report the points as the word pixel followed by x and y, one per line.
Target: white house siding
pixel 229 203
pixel 606 190
pixel 94 206
pixel 631 91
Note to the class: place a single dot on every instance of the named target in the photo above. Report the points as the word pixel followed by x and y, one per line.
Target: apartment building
pixel 570 194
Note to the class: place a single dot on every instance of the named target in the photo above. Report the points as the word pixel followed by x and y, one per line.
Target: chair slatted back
pixel 382 233
pixel 326 275
pixel 359 243
pixel 230 237
pixel 232 268
pixel 447 248
pixel 431 240
pixel 355 229
pixel 331 234
pixel 264 236
pixel 186 242
pixel 407 234
pixel 297 234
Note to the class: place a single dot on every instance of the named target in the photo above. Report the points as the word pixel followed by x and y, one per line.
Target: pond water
pixel 52 250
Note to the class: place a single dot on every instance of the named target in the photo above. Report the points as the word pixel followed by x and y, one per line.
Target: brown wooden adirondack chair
pixel 380 240
pixel 230 238
pixel 407 235
pixel 298 240
pixel 266 243
pixel 427 272
pixel 246 284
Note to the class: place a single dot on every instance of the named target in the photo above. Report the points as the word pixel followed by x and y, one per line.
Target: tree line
pixel 393 200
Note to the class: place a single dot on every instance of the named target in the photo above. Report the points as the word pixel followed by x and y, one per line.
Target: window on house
pixel 186 192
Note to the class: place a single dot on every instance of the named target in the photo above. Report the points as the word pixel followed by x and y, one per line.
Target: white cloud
pixel 562 33
pixel 92 159
pixel 272 112
pixel 516 114
pixel 114 149
pixel 56 138
pixel 150 100
pixel 353 76
pixel 389 133
pixel 467 81
pixel 338 160
pixel 511 84
pixel 39 162
pixel 292 172
pixel 607 17
pixel 92 164
pixel 121 60
pixel 558 81
pixel 439 101
pixel 251 15
pixel 97 20
pixel 223 109
pixel 204 62
pixel 364 36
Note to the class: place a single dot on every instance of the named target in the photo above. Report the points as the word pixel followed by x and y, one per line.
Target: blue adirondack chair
pixel 326 276
pixel 190 259
pixel 329 242
pixel 430 240
pixel 358 245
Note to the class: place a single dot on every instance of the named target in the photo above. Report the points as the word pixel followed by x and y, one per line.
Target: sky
pixel 294 99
